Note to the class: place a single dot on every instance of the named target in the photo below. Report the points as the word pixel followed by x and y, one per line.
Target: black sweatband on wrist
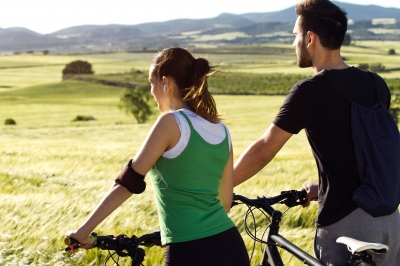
pixel 131 180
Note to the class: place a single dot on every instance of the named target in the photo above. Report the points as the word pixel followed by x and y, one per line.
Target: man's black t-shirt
pixel 317 106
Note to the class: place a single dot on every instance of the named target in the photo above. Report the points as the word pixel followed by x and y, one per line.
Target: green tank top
pixel 186 190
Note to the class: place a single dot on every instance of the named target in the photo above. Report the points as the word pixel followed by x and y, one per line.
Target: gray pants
pixel 361 226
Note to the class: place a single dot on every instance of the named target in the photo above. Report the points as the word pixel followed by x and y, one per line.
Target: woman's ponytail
pixel 198 98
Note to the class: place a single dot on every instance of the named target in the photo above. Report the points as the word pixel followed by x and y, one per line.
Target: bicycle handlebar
pixel 129 246
pixel 119 243
pixel 290 198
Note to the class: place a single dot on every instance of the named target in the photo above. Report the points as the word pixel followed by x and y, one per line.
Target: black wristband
pixel 131 180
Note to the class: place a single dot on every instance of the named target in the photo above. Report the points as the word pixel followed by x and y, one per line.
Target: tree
pixel 136 101
pixel 77 67
pixel 395 107
pixel 9 121
pixel 392 51
pixel 45 52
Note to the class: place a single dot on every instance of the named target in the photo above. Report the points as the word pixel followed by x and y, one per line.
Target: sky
pixel 47 16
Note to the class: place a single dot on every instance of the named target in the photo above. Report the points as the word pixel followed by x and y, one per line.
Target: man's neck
pixel 329 60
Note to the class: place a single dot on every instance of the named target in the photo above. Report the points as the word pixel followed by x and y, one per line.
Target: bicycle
pixel 361 252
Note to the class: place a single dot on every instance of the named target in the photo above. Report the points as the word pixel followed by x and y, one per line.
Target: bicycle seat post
pixel 361 258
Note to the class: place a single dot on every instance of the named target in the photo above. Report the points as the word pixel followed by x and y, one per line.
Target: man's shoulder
pixel 349 73
pixel 309 83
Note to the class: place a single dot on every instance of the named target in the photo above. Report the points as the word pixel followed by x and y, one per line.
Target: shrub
pixel 77 67
pixel 392 51
pixel 363 66
pixel 46 52
pixel 136 101
pixel 377 67
pixel 83 118
pixel 10 121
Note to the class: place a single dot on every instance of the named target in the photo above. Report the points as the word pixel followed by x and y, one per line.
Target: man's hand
pixel 312 192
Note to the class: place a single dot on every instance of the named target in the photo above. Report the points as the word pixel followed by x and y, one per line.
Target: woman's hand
pixel 312 192
pixel 85 241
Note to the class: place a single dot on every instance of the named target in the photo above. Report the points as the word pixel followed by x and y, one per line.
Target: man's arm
pixel 259 154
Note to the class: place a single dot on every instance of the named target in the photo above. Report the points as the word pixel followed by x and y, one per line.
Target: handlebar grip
pixel 70 241
pixel 302 194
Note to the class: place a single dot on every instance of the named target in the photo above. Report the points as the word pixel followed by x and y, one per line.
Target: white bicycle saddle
pixel 354 245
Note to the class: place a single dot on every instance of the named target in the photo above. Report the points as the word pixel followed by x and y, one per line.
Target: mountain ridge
pixel 225 29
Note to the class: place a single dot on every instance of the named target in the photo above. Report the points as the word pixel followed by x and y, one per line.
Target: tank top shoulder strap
pixel 187 119
pixel 193 130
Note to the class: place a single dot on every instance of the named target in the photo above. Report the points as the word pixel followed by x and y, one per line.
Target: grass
pixel 55 171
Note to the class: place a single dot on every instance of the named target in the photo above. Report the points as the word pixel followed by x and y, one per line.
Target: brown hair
pixel 190 76
pixel 324 18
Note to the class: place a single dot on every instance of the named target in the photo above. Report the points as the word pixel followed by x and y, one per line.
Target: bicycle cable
pixel 253 236
pixel 250 210
pixel 248 231
pixel 111 256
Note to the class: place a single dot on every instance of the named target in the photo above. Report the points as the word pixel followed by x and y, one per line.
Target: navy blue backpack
pixel 376 141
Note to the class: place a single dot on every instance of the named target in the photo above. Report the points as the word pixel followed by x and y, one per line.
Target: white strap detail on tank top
pixel 210 132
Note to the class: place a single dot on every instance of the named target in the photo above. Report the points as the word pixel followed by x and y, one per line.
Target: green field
pixel 54 171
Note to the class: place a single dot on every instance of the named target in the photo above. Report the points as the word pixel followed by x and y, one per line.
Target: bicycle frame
pixel 271 256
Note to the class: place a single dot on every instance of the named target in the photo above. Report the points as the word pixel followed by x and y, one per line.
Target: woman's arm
pixel 226 184
pixel 163 136
pixel 112 200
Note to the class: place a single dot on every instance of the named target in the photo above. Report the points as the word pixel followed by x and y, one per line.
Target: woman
pixel 188 154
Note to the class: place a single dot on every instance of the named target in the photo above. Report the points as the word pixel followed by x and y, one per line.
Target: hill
pixel 366 22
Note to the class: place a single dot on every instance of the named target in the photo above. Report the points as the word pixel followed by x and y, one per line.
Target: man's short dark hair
pixel 324 18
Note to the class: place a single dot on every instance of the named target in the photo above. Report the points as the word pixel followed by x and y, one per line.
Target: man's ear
pixel 310 38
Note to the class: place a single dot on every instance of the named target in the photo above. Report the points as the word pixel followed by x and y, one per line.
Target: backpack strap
pixel 375 85
pixel 338 87
pixel 351 103
pixel 345 94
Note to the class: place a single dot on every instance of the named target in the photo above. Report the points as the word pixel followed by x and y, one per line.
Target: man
pixel 317 106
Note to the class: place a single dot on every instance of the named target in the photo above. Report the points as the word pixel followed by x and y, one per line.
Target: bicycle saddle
pixel 354 245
